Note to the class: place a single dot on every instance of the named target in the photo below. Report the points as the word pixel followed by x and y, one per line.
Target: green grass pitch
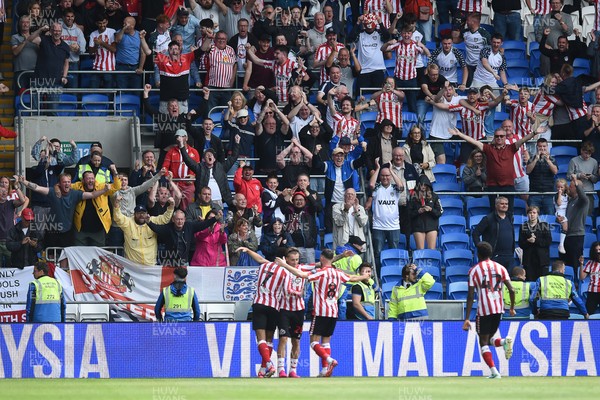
pixel 508 388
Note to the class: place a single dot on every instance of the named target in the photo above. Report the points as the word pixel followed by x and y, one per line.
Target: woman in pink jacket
pixel 209 245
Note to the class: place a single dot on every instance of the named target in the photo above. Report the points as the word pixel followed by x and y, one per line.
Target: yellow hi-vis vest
pixel 521 295
pixel 178 304
pixel 410 300
pixel 102 176
pixel 47 290
pixel 554 287
pixel 368 293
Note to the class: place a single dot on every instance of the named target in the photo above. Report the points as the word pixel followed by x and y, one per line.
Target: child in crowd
pixel 560 204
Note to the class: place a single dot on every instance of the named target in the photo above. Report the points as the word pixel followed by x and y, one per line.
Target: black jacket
pixel 487 230
pixel 22 255
pixel 167 234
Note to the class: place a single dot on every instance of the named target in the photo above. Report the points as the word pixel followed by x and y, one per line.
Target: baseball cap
pixel 96 144
pixel 356 240
pixel 330 31
pixel 337 150
pixel 181 132
pixel 27 214
pixel 138 209
pixel 345 141
pixel 473 90
pixel 183 12
pixel 242 113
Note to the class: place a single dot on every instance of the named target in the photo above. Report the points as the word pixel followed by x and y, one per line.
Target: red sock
pixel 265 354
pixel 487 357
pixel 497 342
pixel 321 352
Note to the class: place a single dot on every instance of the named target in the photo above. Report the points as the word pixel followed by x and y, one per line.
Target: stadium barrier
pixel 228 349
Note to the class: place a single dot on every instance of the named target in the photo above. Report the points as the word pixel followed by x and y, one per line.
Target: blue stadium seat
pixel 581 66
pixel 442 28
pixel 446 187
pixel 436 292
pixel 489 28
pixel 428 257
pixel 391 273
pixel 474 220
pixel 478 206
pixel 452 223
pixel 402 242
pixel 457 273
pixel 386 289
pixel 409 119
pixel 68 103
pixel 397 257
pixel 563 154
pixel 458 258
pixel 569 273
pixel 562 171
pixel 515 50
pixel 128 102
pixel 588 239
pixel 368 116
pixel 433 271
pixel 444 173
pixel 451 241
pixel 583 288
pixel 458 290
pixel 328 241
pixel 452 206
pixel 98 103
pixel 520 207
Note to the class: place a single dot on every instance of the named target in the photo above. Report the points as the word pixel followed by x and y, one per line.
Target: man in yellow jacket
pixel 408 299
pixel 140 241
pixel 92 218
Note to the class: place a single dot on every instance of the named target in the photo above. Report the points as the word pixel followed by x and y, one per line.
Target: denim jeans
pixel 380 238
pixel 73 79
pixel 128 81
pixel 422 108
pixel 446 9
pixel 411 95
pixel 509 26
pixel 97 78
pixel 425 27
pixel 544 202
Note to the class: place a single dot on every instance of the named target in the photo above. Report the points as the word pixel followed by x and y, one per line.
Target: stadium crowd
pixel 345 127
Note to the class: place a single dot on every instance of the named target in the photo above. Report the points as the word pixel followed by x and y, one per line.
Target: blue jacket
pixel 177 289
pixel 559 306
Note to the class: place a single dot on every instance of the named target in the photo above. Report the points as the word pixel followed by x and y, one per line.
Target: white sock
pixel 293 364
pixel 281 364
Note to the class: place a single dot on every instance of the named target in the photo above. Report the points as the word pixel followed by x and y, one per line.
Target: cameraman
pixel 541 169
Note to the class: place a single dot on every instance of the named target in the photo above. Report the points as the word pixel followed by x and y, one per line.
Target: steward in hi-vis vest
pixel 179 300
pixel 45 298
pixel 522 292
pixel 408 299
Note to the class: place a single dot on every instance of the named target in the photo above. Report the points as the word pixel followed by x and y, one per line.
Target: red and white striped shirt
pixel 271 278
pixel 343 126
pixel 377 7
pixel 593 269
pixel 519 118
pixel 283 74
pixel 104 59
pixel 542 7
pixel 323 51
pixel 518 157
pixel 396 6
pixel 487 278
pixel 327 283
pixel 293 290
pixel 390 107
pixel 576 113
pixel 544 103
pixel 472 124
pixel 406 59
pixel 470 6
pixel 174 162
pixel 220 64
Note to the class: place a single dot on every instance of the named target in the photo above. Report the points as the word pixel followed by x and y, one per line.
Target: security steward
pixel 553 292
pixel 408 299
pixel 179 300
pixel 363 294
pixel 522 290
pixel 45 298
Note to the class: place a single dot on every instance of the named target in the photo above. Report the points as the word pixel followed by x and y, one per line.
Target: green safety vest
pixel 405 300
pixel 179 304
pixel 47 290
pixel 368 293
pixel 348 264
pixel 521 295
pixel 554 287
pixel 103 175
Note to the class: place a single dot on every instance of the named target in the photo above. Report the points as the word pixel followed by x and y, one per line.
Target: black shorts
pixel 264 317
pixel 290 323
pixel 323 326
pixel 488 324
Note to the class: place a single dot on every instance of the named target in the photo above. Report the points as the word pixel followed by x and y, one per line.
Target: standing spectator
pixel 241 210
pixel 558 56
pixel 23 242
pixel 535 240
pixel 387 196
pixel 449 59
pixel 300 161
pixel 221 63
pixel 316 37
pixel 143 173
pixel 260 76
pixel 491 67
pixel 423 9
pixel 500 159
pixel 476 38
pixel 586 169
pixel 73 36
pixel 238 42
pixel 159 39
pixel 349 219
pixel 370 34
pixel 202 206
pixel 209 244
pixel 349 68
pixel 507 19
pixel 206 139
pixel 418 153
pixel 592 269
pixel 521 178
pixel 408 298
pixel 496 228
pixel 242 236
pixel 45 298
pixel 382 144
pixel 231 15
pixel 301 115
pixel 245 183
pixel 63 203
pixel 389 102
pixel 408 175
pixel 92 218
pixel 275 240
pixel 407 52
pixel 203 9
pixel 174 162
pixel 300 209
pixel 102 45
pixel 270 138
pixel 560 23
pixel 592 134
pixel 475 174
pixel 425 211
pixel 327 50
pixel 25 47
pixel 577 211
pixel 130 56
pixel 7 221
pixel 541 169
pixel 186 25
pixel 158 198
pixel 115 14
pixel 431 84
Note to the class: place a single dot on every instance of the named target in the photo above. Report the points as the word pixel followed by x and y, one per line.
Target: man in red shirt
pixel 244 182
pixel 174 163
pixel 500 171
pixel 487 277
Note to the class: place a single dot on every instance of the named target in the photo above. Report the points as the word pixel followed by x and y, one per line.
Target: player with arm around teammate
pixel 487 277
pixel 327 281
